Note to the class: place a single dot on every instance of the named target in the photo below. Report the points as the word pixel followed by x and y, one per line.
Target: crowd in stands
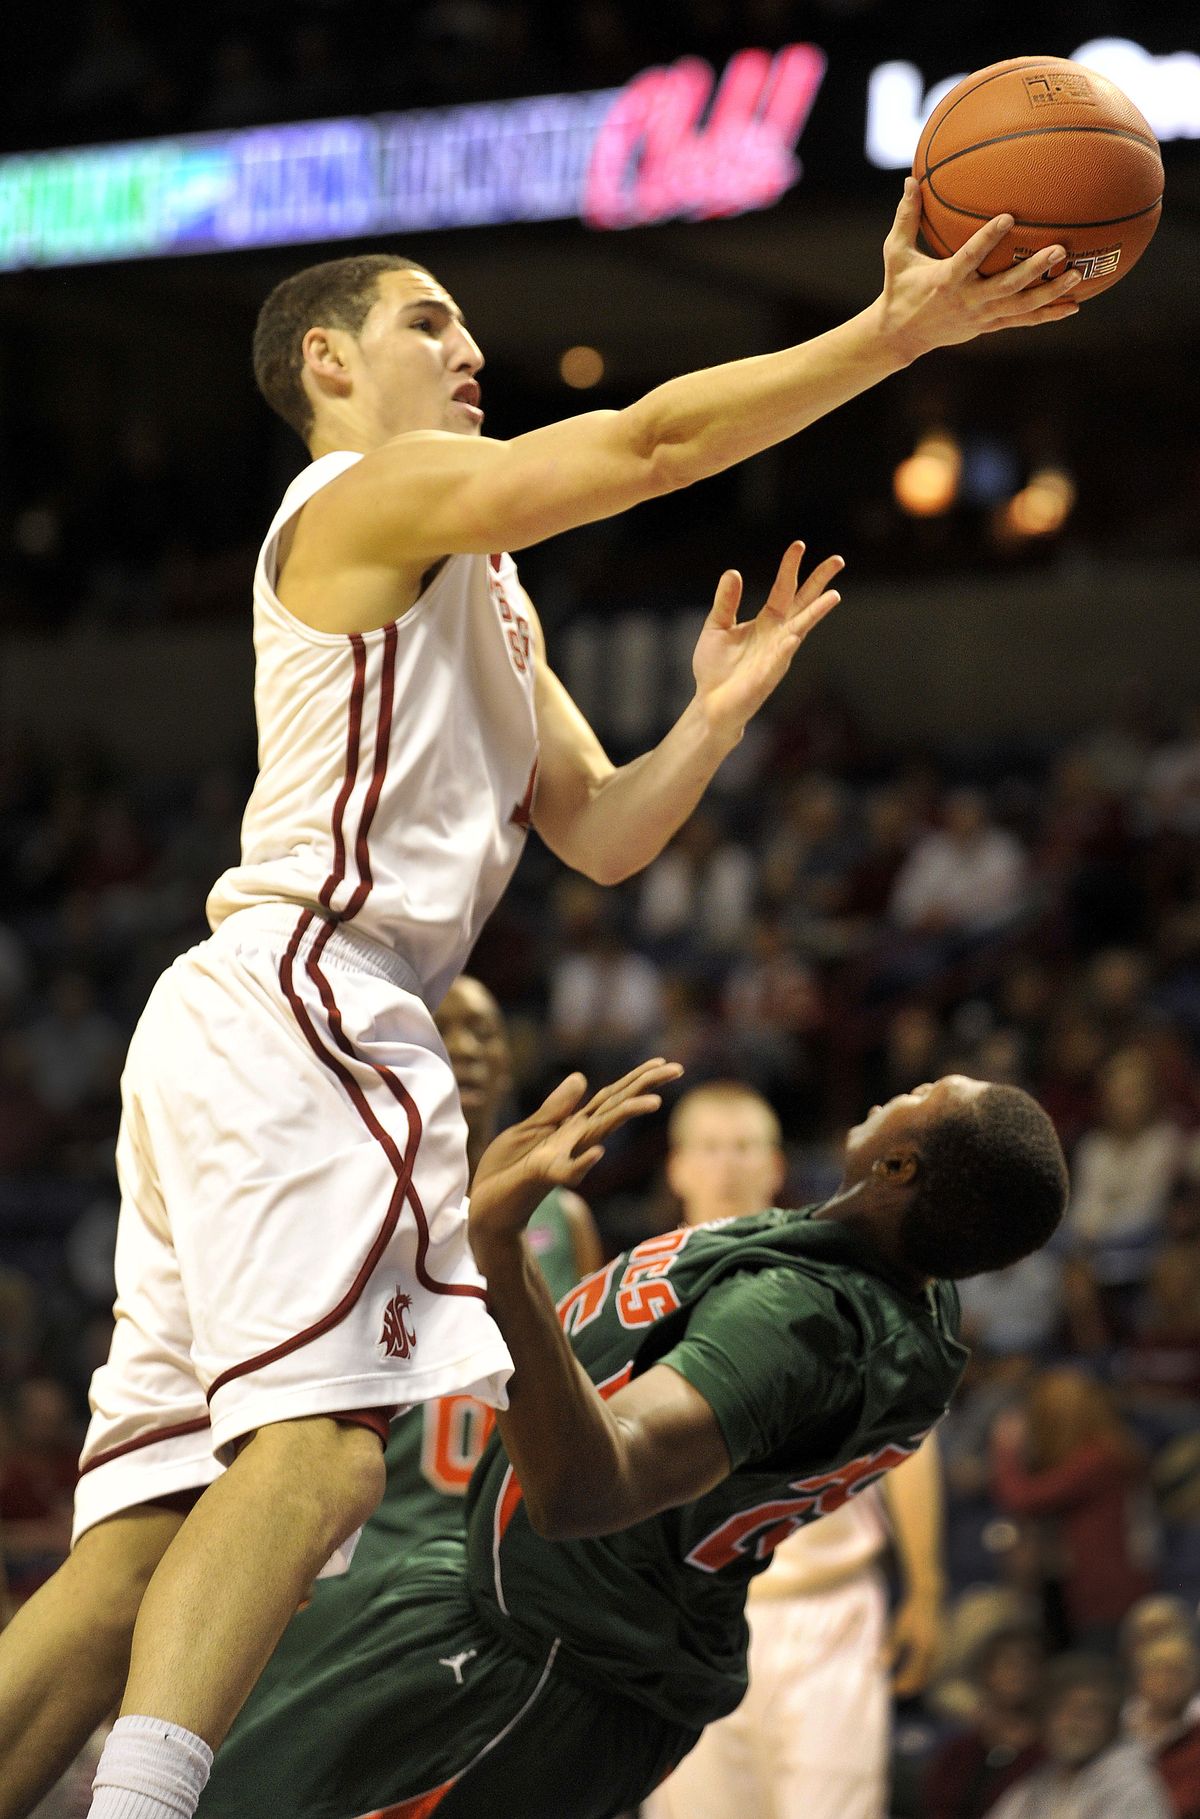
pixel 117 69
pixel 831 932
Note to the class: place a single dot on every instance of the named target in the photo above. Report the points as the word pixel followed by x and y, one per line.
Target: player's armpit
pixel 430 493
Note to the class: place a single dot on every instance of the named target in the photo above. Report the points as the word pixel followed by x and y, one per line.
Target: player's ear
pixel 898 1167
pixel 323 353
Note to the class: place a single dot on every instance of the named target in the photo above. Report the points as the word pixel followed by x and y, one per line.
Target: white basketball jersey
pixel 396 767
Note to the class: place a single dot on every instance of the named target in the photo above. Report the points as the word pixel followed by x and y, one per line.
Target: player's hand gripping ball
pixel 1057 146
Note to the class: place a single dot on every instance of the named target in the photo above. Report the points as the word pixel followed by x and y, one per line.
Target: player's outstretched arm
pixel 585 1466
pixel 429 494
pixel 609 822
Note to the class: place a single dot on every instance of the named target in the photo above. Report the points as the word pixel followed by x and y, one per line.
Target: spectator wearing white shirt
pixel 1123 1170
pixel 699 892
pixel 966 876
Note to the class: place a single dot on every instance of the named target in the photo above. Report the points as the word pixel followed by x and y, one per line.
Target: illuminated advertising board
pixel 1166 89
pixel 674 143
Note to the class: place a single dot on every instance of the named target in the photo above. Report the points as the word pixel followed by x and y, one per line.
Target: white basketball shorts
pixel 292 1238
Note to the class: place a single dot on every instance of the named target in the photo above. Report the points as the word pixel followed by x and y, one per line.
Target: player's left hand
pixel 912 1643
pixel 737 666
pixel 558 1145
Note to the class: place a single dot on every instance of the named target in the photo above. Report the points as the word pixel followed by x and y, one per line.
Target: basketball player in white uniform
pixel 292 1261
pixel 810 1739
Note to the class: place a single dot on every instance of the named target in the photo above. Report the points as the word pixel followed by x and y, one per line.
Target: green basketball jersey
pixel 823 1370
pixel 433 1450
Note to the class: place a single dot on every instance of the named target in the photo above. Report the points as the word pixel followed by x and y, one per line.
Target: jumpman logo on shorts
pixel 456 1664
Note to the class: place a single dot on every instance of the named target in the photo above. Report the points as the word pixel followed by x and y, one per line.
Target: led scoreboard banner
pixel 664 146
pixel 675 143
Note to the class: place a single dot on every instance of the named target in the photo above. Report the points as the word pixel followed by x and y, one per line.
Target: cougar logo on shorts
pixel 397 1337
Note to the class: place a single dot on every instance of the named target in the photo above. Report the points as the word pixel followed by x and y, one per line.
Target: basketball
pixel 1056 145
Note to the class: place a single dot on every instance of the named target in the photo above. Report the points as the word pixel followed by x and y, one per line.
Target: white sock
pixel 150 1770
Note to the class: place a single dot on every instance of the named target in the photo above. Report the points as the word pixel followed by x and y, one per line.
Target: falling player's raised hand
pixel 738 664
pixel 557 1146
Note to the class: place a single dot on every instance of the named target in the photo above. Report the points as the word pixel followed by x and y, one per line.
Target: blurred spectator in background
pixel 1158 1366
pixel 1166 1678
pixel 1122 1171
pixel 1074 1050
pixel 967 876
pixel 913 1051
pixel 774 1012
pixel 1090 1773
pixel 694 901
pixel 76 1050
pixel 27 1125
pixel 605 998
pixel 808 864
pixel 891 826
pixel 1115 988
pixel 18 1327
pixel 1067 1463
pixel 37 1484
pixel 971 1770
pixel 1084 852
pixel 1015 1311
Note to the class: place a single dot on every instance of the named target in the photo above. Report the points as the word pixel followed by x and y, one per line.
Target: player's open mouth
pixel 467 396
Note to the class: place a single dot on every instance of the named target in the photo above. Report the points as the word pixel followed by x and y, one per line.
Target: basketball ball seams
pixel 1105 185
pixel 995 75
pixel 974 214
pixel 1039 132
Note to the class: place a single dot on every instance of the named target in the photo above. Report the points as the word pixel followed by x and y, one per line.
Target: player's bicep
pixel 673 1449
pixel 430 494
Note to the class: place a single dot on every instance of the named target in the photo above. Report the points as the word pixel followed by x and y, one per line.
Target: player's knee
pixel 336 1466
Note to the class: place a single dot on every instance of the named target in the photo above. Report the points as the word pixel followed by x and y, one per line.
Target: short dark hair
pixel 336 294
pixel 991 1188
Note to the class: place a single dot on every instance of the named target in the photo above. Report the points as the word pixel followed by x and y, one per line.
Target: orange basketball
pixel 1058 146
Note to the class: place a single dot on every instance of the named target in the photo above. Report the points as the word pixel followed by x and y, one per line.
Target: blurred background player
pixel 810 1739
pixel 432 1450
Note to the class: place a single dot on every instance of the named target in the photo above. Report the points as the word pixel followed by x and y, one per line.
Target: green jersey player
pixel 694 1402
pixel 433 1449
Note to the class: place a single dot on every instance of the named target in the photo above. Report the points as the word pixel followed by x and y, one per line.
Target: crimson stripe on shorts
pixel 383 734
pixel 353 732
pixel 402 1165
pixel 131 1446
pixel 405 1099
